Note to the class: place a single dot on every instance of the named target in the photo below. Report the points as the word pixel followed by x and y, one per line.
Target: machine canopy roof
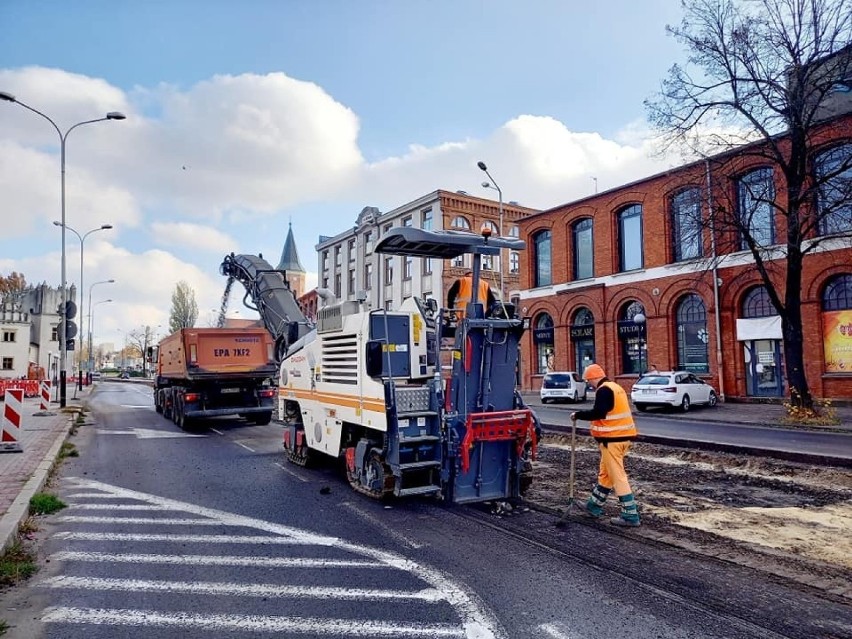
pixel 442 244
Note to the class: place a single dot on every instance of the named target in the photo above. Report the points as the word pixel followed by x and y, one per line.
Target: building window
pixel 755 197
pixel 543 335
pixel 337 290
pixel 406 221
pixel 460 223
pixel 388 270
pixel 325 282
pixel 582 332
pixel 351 281
pixel 406 267
pixel 388 305
pixel 426 219
pixel 9 336
pixel 459 261
pixel 692 335
pixel 325 260
pixel 488 262
pixel 337 257
pixel 8 363
pixel 584 250
pixel 368 276
pixel 630 238
pixel 368 242
pixel 54 333
pixel 834 198
pixel 542 273
pixel 388 227
pixel 514 263
pixel 632 335
pixel 427 266
pixel 515 231
pixel 837 324
pixel 757 303
pixel 686 225
pixel 350 247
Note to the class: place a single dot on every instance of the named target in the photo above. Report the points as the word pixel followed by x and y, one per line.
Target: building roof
pixel 290 256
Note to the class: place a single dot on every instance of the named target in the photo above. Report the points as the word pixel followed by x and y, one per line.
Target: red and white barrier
pixel 45 394
pixel 12 411
pixel 29 386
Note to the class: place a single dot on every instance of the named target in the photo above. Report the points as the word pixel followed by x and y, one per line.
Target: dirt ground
pixel 789 519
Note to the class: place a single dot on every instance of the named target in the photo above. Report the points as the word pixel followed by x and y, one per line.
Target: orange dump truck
pixel 206 372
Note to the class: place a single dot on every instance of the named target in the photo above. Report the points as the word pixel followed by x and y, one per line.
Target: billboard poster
pixel 837 341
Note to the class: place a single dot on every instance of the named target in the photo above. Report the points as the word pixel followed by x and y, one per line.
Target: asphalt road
pixel 169 535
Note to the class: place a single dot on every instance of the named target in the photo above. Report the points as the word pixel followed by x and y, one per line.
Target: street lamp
pixel 63 137
pixel 640 320
pixel 92 320
pixel 493 185
pixel 82 238
pixel 91 357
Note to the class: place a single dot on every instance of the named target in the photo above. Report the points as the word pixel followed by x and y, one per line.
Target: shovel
pixel 563 520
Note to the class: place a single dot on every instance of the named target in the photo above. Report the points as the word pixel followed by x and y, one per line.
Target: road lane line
pixel 291 472
pixel 119 507
pixel 244 623
pixel 251 450
pixel 390 532
pixel 213 560
pixel 82 519
pixel 429 595
pixel 553 630
pixel 191 539
pixel 218 432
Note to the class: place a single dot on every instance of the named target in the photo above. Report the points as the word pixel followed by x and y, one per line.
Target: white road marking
pixel 251 450
pixel 148 406
pixel 191 539
pixel 148 433
pixel 387 529
pixel 82 519
pixel 91 496
pixel 117 507
pixel 429 595
pixel 475 620
pixel 554 630
pixel 213 560
pixel 218 432
pixel 291 472
pixel 303 625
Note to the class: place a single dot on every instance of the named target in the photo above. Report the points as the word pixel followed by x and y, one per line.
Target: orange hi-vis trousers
pixel 611 473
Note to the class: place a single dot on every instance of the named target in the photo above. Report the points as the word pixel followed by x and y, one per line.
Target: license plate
pixel 230 390
pixel 649 391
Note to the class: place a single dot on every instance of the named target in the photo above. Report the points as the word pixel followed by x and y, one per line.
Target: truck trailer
pixel 208 372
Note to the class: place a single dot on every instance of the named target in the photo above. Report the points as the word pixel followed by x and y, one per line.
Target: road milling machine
pixel 366 385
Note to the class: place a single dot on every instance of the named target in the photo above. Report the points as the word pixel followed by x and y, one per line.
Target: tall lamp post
pixel 63 137
pixel 92 319
pixel 641 321
pixel 493 185
pixel 82 238
pixel 91 357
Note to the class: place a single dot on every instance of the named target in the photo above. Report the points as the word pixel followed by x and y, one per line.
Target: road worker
pixel 460 294
pixel 612 426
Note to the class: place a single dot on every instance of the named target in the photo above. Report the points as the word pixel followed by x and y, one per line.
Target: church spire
pixel 290 256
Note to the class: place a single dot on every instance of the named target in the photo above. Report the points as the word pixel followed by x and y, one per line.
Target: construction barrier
pixel 12 411
pixel 45 394
pixel 29 386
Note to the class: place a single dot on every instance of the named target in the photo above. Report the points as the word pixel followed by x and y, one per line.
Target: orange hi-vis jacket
pixel 618 423
pixel 464 297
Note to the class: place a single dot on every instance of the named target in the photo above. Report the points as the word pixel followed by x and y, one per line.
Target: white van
pixel 562 386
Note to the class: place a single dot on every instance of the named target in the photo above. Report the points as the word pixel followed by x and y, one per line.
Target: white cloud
pixel 200 238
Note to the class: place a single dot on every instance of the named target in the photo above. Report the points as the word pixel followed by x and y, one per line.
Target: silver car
pixel 562 386
pixel 676 389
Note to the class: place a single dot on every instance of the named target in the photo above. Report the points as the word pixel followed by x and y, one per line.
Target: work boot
pixel 629 512
pixel 594 506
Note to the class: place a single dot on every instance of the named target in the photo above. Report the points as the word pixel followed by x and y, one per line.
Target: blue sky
pixel 242 116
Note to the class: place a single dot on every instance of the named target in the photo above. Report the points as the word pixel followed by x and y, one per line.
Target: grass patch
pixel 822 413
pixel 45 504
pixel 3 627
pixel 68 450
pixel 16 564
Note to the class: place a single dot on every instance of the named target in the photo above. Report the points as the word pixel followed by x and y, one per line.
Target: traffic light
pixel 70 310
pixel 69 344
pixel 70 329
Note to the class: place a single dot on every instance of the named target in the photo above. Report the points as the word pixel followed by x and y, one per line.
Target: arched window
pixel 692 335
pixel 837 324
pixel 834 177
pixel 632 336
pixel 542 274
pixel 584 249
pixel 630 255
pixel 543 336
pixel 686 224
pixel 514 262
pixel 582 332
pixel 460 223
pixel 755 197
pixel 756 303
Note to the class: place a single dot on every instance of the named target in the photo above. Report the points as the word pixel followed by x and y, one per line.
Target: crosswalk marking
pixel 251 590
pixel 214 560
pixel 85 519
pixel 118 507
pixel 301 625
pixel 190 539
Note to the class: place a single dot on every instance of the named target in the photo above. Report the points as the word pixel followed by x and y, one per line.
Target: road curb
pixel 20 508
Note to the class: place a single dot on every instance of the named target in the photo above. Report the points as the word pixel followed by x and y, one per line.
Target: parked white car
pixel 564 386
pixel 675 388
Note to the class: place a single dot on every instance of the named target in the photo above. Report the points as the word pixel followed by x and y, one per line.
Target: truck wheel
pixel 158 404
pixel 262 419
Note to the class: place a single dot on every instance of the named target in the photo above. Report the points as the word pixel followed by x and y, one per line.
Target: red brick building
pixel 627 278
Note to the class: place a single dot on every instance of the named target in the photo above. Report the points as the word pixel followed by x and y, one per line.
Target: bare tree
pixel 766 74
pixel 12 284
pixel 184 311
pixel 140 339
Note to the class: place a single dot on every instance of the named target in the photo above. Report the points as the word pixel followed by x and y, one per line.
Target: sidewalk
pixel 747 413
pixel 24 474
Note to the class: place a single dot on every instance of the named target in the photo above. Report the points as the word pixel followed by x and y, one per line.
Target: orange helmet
pixel 593 371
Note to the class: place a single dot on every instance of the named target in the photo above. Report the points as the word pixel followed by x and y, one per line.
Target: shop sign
pixel 543 335
pixel 629 329
pixel 583 332
pixel 837 341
